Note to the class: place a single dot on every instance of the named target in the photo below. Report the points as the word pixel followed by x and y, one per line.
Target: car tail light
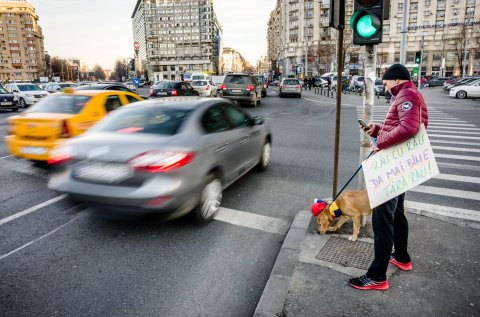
pixel 174 92
pixel 223 86
pixel 159 161
pixel 207 88
pixel 250 88
pixel 65 133
pixel 298 86
pixel 60 155
pixel 157 201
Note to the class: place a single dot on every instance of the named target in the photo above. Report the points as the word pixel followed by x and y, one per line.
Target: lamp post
pixel 468 14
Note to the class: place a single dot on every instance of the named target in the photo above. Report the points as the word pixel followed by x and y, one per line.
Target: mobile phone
pixel 363 124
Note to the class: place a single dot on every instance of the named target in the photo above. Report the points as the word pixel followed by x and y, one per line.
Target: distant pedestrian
pixel 388 96
pixel 310 83
pixel 305 82
pixel 390 226
pixel 329 83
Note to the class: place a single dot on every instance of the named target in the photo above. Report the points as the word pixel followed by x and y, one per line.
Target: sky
pixel 100 31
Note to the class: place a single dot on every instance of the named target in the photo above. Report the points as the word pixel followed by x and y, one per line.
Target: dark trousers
pixel 390 228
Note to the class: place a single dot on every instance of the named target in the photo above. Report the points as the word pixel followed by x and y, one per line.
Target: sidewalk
pixel 311 272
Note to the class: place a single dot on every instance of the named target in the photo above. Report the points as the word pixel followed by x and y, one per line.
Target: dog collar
pixel 334 211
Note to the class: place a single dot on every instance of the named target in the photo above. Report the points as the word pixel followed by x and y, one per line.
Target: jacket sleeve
pixel 376 128
pixel 408 124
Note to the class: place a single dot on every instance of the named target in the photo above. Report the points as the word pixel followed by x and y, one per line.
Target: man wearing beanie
pixel 390 226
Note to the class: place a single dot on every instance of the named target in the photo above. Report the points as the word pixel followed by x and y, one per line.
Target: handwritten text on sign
pixel 395 170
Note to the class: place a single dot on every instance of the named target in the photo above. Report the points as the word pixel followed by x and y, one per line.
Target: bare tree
pixel 324 55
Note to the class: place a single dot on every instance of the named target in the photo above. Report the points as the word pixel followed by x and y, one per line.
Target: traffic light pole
pixel 367 113
pixel 339 104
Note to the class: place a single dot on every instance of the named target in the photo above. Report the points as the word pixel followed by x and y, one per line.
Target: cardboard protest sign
pixel 395 170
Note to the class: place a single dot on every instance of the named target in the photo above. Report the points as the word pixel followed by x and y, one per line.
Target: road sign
pixel 136 45
pixel 136 81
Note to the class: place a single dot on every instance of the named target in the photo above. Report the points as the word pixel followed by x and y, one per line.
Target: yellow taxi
pixel 36 131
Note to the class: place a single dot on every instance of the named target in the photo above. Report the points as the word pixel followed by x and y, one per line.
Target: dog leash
pixel 351 178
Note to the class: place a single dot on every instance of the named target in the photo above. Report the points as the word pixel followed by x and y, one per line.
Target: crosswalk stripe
pixel 447 192
pixel 453 142
pixel 446 211
pixel 452 136
pixel 461 149
pixel 463 167
pixel 453 132
pixel 451 124
pixel 457 157
pixel 458 178
pixel 446 121
pixel 430 126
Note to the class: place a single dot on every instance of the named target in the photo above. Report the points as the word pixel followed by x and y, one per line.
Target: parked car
pixel 460 82
pixel 26 94
pixel 290 86
pixel 261 81
pixel 379 87
pixel 7 100
pixel 34 133
pixel 173 89
pixel 58 87
pixel 164 156
pixel 434 82
pixel 470 90
pixel 116 87
pixel 241 88
pixel 205 88
pixel 320 82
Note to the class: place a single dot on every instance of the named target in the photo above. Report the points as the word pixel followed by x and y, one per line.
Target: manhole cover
pixel 347 253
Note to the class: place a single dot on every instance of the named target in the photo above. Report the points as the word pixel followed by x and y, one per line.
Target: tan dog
pixel 353 204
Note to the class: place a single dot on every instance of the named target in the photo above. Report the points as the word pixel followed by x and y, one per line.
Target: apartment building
pixel 176 37
pixel 232 61
pixel 300 26
pixel 21 42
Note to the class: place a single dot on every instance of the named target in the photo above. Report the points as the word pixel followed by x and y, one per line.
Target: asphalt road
pixel 59 259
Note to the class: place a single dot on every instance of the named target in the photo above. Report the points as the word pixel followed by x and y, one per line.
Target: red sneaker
pixel 405 266
pixel 365 283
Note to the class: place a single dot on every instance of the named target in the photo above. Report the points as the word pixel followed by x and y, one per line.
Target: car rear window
pixel 199 83
pixel 164 121
pixel 240 80
pixel 166 85
pixel 70 104
pixel 198 77
pixel 291 82
pixel 29 88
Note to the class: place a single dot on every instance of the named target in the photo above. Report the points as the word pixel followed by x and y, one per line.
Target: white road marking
pixel 42 237
pixel 446 211
pixel 457 157
pixel 447 192
pixel 452 136
pixel 454 142
pixel 451 124
pixel 458 178
pixel 453 132
pixel 459 166
pixel 446 121
pixel 4 157
pixel 437 126
pixel 31 209
pixel 461 149
pixel 251 220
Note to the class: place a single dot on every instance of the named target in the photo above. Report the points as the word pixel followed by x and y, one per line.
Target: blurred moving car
pixel 34 133
pixel 205 88
pixel 241 88
pixel 167 156
pixel 7 100
pixel 434 82
pixel 58 87
pixel 379 87
pixel 173 89
pixel 26 94
pixel 290 86
pixel 275 83
pixel 469 90
pixel 320 82
pixel 116 87
pixel 261 81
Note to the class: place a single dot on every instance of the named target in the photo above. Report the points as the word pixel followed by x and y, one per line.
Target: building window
pixel 400 6
pixel 427 13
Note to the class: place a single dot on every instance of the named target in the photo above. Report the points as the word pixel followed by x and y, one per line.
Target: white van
pixel 200 76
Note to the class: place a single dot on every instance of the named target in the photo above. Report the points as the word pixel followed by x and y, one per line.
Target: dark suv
pixel 242 88
pixel 7 100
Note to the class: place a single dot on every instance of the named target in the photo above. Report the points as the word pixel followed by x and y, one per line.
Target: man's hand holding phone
pixel 365 127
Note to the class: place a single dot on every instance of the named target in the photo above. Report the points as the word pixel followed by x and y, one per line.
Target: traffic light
pixel 418 57
pixel 367 22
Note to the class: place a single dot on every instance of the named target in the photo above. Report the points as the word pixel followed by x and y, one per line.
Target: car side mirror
pixel 14 90
pixel 256 121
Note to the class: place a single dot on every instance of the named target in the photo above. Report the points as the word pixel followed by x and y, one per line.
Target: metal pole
pixel 367 113
pixel 464 70
pixel 419 81
pixel 339 104
pixel 403 45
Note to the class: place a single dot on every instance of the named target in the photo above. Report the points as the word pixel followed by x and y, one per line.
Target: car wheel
pixel 22 103
pixel 299 96
pixel 15 109
pixel 210 199
pixel 265 157
pixel 461 94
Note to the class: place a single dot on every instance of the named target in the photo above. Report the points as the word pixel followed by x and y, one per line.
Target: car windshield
pixel 70 104
pixel 198 77
pixel 378 82
pixel 165 121
pixel 92 87
pixel 241 80
pixel 29 88
pixel 166 85
pixel 291 82
pixel 66 85
pixel 199 83
pixel 3 90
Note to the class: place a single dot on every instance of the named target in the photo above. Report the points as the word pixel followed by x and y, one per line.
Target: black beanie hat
pixel 397 71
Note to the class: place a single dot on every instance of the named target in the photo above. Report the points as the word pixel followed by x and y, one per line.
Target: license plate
pixel 104 172
pixel 162 93
pixel 8 103
pixel 236 91
pixel 38 150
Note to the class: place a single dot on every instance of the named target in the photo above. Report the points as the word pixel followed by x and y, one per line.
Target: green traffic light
pixel 365 26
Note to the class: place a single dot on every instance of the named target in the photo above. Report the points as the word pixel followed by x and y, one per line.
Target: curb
pixel 276 290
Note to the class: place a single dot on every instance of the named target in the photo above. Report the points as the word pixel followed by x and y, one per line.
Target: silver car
pixel 290 86
pixel 168 156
